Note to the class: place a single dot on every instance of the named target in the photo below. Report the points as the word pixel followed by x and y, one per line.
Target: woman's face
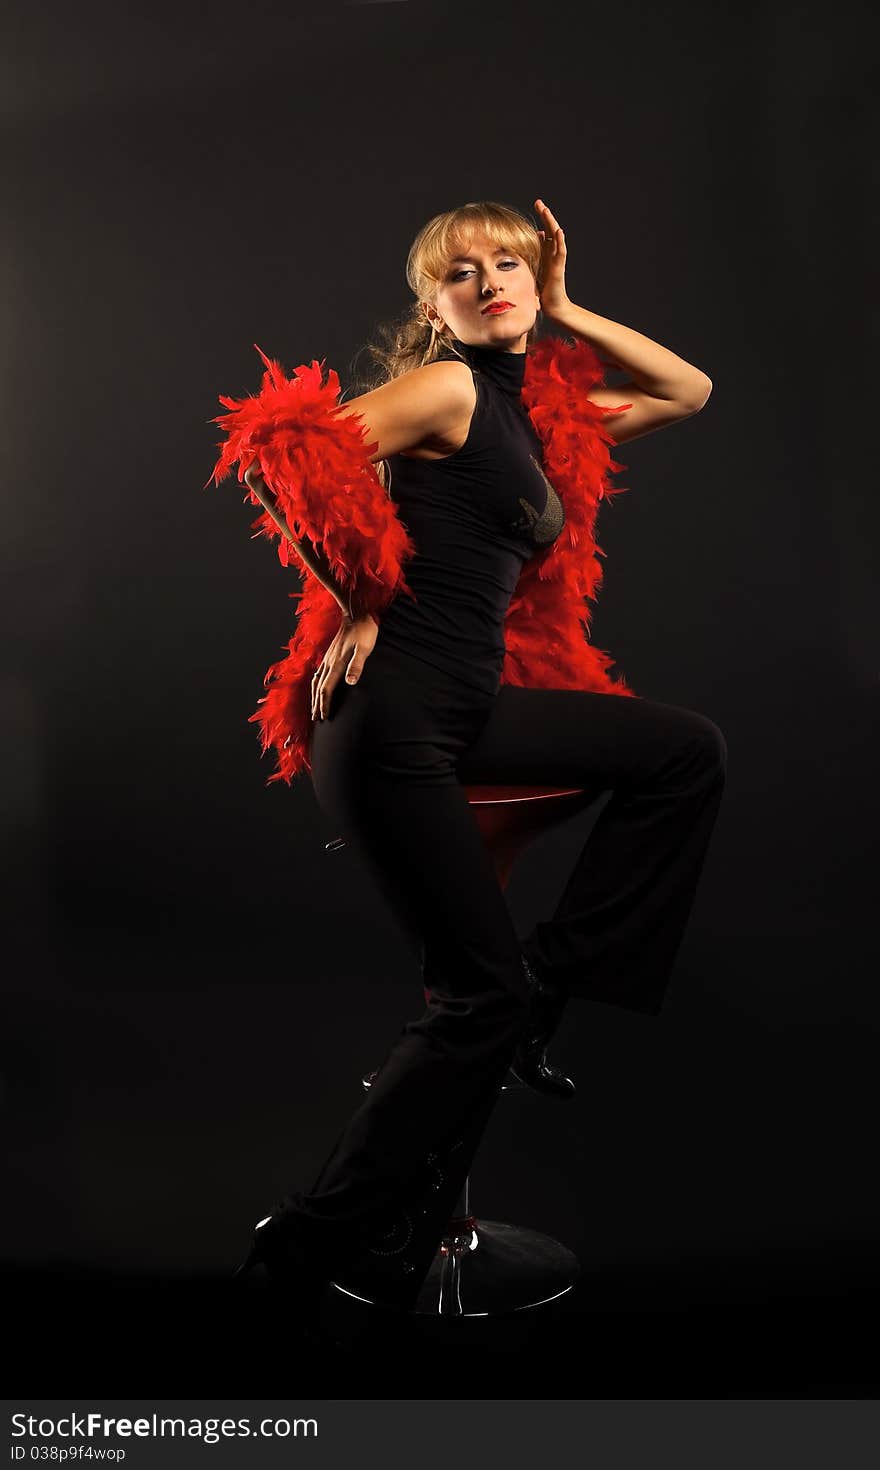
pixel 481 277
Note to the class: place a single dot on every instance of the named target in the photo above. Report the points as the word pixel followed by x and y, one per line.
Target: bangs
pixel 454 233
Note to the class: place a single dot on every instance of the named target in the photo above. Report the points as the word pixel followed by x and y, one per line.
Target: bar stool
pixel 486 1267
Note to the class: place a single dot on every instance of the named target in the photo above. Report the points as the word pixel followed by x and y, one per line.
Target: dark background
pixel 194 986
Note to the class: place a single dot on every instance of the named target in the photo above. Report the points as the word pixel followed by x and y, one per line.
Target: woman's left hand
pixel 554 297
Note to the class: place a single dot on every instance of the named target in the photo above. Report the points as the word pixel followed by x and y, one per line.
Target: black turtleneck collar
pixel 505 369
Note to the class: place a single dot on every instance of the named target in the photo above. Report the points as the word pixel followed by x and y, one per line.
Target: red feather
pixel 319 472
pixel 545 631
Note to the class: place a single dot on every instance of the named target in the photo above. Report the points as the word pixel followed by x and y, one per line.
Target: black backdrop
pixel 194 986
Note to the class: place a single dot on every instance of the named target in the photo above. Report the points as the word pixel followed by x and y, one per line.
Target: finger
pixel 325 696
pixel 316 684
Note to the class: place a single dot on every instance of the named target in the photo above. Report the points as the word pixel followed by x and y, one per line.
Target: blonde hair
pixel 411 340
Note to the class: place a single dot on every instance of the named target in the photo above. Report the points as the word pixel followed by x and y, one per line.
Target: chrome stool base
pixel 484 1268
pixel 490 1268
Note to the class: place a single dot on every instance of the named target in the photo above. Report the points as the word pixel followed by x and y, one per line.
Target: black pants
pixel 388 766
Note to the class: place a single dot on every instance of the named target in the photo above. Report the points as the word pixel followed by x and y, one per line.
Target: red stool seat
pixel 509 817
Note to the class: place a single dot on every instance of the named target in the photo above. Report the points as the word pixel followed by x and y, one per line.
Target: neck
pixel 500 363
pixel 517 346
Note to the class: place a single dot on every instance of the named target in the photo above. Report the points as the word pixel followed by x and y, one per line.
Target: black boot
pixel 530 1064
pixel 302 1280
pixel 301 1275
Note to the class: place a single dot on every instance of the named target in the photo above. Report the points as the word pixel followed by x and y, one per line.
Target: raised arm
pixel 663 388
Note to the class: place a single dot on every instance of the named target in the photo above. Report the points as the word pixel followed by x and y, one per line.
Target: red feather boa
pixel 318 469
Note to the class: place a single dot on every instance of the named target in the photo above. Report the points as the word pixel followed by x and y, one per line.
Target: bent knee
pixel 707 738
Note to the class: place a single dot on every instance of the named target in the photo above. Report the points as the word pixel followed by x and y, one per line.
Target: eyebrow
pixel 501 250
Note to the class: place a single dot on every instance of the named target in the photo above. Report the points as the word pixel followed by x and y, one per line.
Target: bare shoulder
pixel 416 410
pixel 452 378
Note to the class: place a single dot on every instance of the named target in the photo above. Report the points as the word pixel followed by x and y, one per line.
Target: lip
pixel 496 306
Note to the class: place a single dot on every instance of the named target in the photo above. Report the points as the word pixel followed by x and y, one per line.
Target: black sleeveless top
pixel 476 516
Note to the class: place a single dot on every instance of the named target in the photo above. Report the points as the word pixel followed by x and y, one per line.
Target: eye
pixel 459 274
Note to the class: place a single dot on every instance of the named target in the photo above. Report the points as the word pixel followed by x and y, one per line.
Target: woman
pixel 455 661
